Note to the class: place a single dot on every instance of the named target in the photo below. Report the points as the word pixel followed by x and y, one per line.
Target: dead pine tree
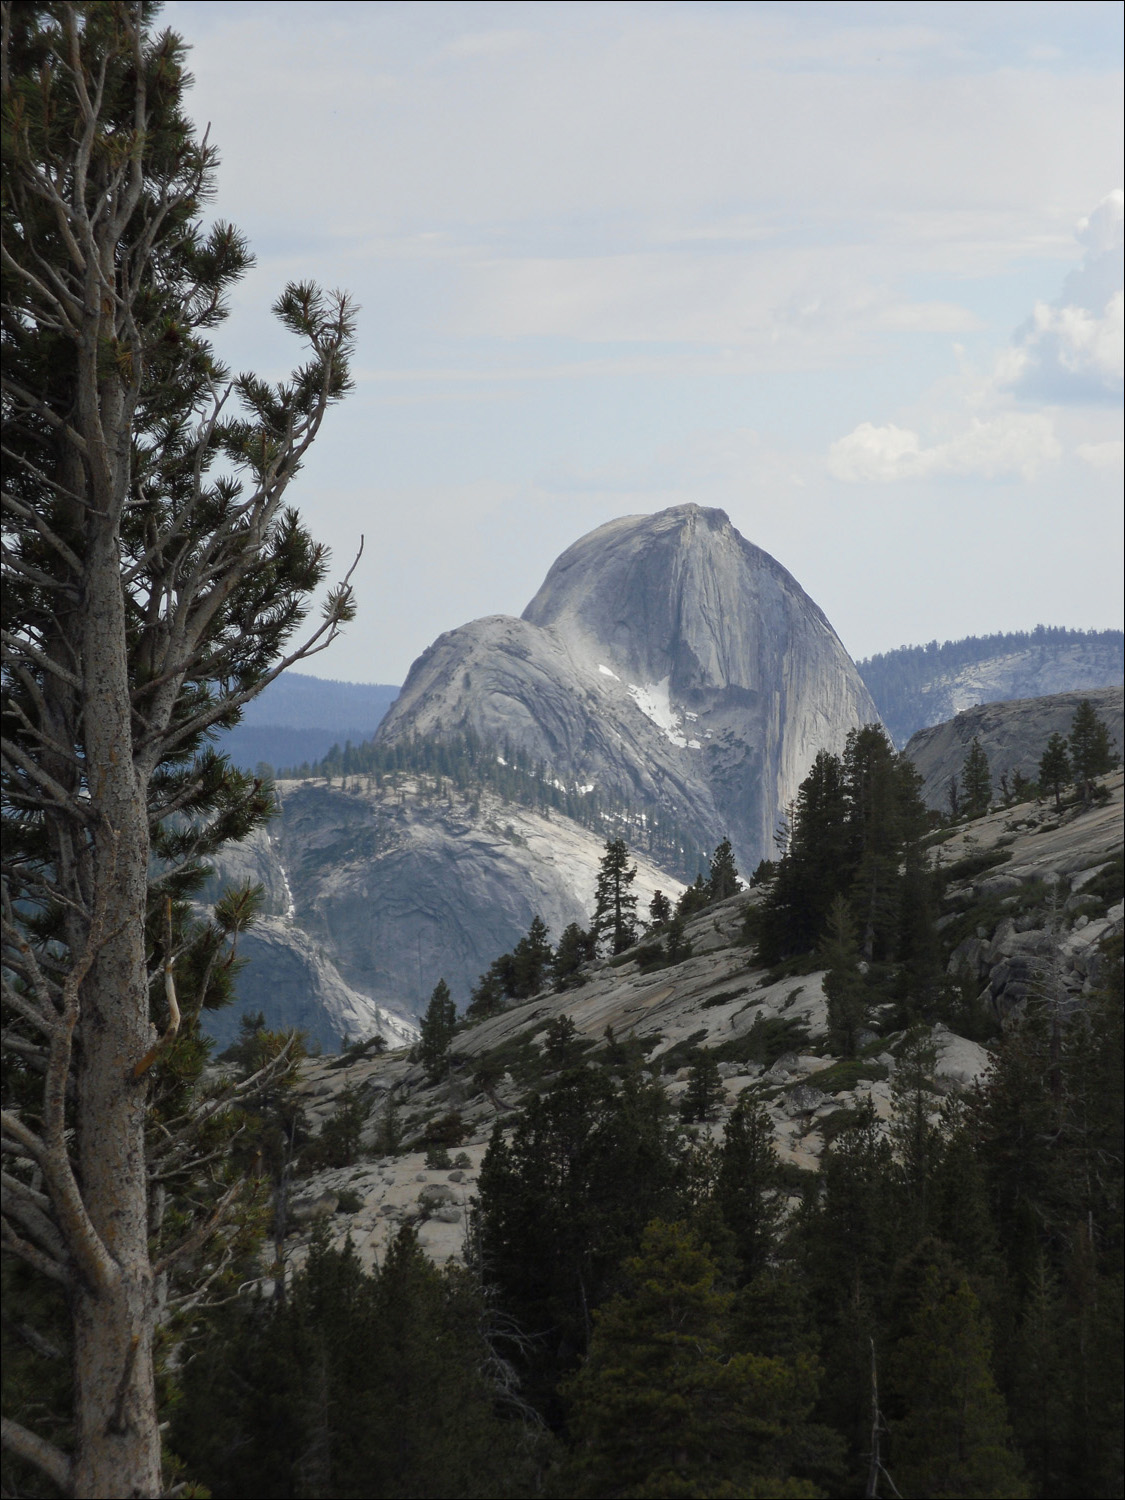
pixel 153 580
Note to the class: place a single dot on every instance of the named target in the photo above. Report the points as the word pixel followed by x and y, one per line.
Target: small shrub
pixel 682 1054
pixel 438 1159
pixel 837 1122
pixel 350 1202
pixel 976 864
pixel 648 957
pixel 842 1077
pixel 769 1038
pixel 353 1052
pixel 723 997
pixel 487 1073
pixel 447 1130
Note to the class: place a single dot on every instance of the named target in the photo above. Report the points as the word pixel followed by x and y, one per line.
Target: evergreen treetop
pixel 976 781
pixel 438 1025
pixel 615 903
pixel 1091 750
pixel 723 878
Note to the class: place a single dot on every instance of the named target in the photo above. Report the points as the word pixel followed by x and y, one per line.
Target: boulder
pixel 804 1099
pixel 960 1063
pixel 436 1193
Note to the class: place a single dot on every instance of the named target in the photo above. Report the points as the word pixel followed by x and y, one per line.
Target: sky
pixel 850 272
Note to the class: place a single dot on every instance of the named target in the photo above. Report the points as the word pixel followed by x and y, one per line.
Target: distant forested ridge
pixel 917 686
pixel 471 764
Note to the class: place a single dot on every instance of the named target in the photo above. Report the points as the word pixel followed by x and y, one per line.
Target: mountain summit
pixel 665 660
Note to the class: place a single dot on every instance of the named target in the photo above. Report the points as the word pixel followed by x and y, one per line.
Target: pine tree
pixel 437 1032
pixel 953 797
pixel 486 997
pixel 1091 751
pixel 676 946
pixel 380 1384
pixel 532 960
pixel 723 880
pixel 816 868
pixel 661 1407
pixel 704 1095
pixel 1054 769
pixel 561 1047
pixel 576 947
pixel 748 1184
pixel 562 1201
pixel 845 988
pixel 659 910
pixel 885 814
pixel 976 781
pixel 694 899
pixel 921 967
pixel 338 1145
pixel 952 1437
pixel 615 903
pixel 151 581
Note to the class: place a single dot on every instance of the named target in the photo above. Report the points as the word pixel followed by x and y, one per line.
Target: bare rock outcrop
pixel 1013 735
pixel 665 659
pixel 294 982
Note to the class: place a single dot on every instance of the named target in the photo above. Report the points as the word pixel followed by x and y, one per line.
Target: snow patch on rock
pixel 655 702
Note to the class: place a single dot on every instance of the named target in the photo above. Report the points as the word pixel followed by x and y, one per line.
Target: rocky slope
pixel 1013 735
pixel 666 660
pixel 1037 893
pixel 294 983
pixel 394 887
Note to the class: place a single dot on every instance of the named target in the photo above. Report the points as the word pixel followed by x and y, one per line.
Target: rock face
pixel 666 660
pixel 294 983
pixel 380 892
pixel 1013 735
pixel 716 999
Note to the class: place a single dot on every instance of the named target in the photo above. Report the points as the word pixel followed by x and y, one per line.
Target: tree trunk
pixel 117 1438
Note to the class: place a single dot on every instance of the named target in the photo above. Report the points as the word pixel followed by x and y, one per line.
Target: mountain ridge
pixel 664 657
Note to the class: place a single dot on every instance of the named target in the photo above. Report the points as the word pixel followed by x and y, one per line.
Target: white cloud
pixel 1009 443
pixel 1085 344
pixel 1074 349
pixel 1102 229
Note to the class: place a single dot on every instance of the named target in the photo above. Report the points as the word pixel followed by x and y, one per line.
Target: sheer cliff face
pixel 665 659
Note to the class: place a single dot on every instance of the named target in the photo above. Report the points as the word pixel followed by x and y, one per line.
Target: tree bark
pixel 117 1439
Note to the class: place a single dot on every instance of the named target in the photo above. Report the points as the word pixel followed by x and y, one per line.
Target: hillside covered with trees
pixel 469 764
pixel 656 1304
pixel 916 686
